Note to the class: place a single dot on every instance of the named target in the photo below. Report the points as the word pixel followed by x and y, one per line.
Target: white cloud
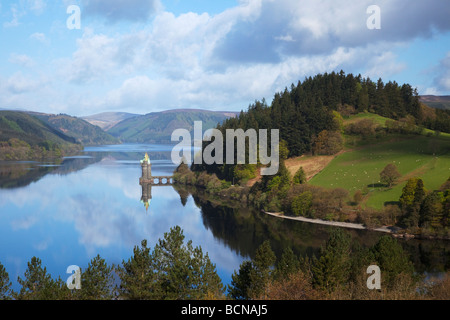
pixel 384 65
pixel 21 60
pixel 431 91
pixel 39 36
pixel 228 60
pixel 37 6
pixel 15 18
pixel 92 60
pixel 43 244
pixel 19 83
pixel 320 26
pixel 442 80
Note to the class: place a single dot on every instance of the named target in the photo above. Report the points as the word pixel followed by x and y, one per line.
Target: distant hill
pixel 25 137
pixel 82 131
pixel 107 120
pixel 157 127
pixel 439 102
pixel 23 126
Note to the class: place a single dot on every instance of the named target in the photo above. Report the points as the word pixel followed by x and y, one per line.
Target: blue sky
pixel 142 56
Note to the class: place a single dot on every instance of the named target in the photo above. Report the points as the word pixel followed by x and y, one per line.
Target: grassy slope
pixel 414 155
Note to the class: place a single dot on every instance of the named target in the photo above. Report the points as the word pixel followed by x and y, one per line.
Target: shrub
pixel 301 205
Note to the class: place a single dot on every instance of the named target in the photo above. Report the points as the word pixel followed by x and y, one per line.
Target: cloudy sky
pixel 142 56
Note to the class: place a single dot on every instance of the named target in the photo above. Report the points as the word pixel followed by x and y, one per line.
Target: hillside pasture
pixel 414 156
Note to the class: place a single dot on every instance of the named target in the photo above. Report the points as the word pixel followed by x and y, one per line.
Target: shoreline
pixel 350 225
pixel 385 229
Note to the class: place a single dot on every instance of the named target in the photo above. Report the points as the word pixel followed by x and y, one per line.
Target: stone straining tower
pixel 146 168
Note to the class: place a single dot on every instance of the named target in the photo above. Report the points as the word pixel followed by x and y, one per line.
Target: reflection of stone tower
pixel 146 194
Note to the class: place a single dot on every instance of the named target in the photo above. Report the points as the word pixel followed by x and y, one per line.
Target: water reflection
pixel 70 217
pixel 18 174
pixel 67 213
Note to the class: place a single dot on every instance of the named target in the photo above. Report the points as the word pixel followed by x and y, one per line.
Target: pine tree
pixel 97 281
pixel 407 197
pixel 432 210
pixel 392 260
pixel 331 269
pixel 184 272
pixel 137 277
pixel 5 284
pixel 240 284
pixel 37 284
pixel 411 199
pixel 287 265
pixel 253 276
pixel 261 272
pixel 299 177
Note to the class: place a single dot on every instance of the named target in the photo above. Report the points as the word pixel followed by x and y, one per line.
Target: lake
pixel 65 213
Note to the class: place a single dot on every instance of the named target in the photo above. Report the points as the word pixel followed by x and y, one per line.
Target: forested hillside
pixel 24 137
pixel 302 112
pixel 439 102
pixel 385 147
pixel 157 127
pixel 309 115
pixel 82 131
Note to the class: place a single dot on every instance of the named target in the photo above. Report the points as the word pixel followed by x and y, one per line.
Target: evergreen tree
pixel 253 276
pixel 184 272
pixel 363 99
pixel 392 260
pixel 331 269
pixel 361 258
pixel 299 177
pixel 37 284
pixel 137 276
pixel 97 281
pixel 240 284
pixel 410 201
pixel 283 150
pixel 287 265
pixel 432 210
pixel 260 273
pixel 419 193
pixel 5 284
pixel 407 197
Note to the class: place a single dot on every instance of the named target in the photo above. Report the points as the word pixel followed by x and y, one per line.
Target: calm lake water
pixel 66 213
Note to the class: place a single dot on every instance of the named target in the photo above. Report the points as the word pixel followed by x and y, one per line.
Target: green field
pixel 422 156
pixel 380 120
